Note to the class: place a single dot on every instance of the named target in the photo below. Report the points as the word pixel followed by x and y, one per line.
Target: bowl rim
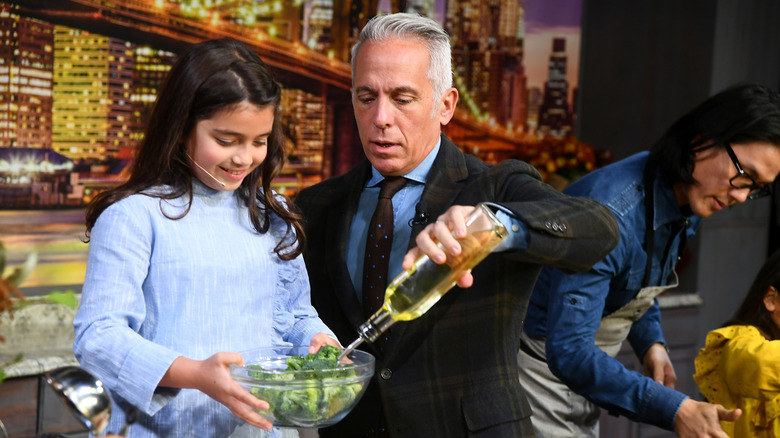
pixel 370 362
pixel 293 384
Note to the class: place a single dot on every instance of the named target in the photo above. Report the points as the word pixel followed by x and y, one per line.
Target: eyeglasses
pixel 743 180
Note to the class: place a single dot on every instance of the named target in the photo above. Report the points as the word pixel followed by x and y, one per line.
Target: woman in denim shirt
pixel 724 152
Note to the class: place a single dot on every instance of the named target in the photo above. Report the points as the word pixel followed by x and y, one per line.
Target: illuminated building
pixel 303 115
pixel 422 7
pixel 308 132
pixel 487 47
pixel 554 115
pixel 350 24
pixel 514 92
pixel 535 97
pixel 317 24
pixel 35 177
pixel 26 65
pixel 92 112
pixel 277 18
pixel 514 100
pixel 150 69
pixel 575 93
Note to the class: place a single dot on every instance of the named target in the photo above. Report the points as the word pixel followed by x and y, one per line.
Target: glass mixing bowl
pixel 306 398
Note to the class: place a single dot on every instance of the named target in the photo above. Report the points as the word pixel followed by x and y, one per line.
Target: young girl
pixel 738 367
pixel 194 259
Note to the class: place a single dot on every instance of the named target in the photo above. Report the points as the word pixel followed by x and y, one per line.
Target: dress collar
pixel 209 195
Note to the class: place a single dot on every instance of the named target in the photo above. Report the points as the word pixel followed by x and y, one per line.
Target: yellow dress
pixel 740 368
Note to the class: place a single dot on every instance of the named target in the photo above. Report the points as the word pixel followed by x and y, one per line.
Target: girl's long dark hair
pixel 210 76
pixel 752 310
pixel 742 113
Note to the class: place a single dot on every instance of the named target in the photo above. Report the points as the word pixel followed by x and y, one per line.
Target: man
pixel 453 371
pixel 724 152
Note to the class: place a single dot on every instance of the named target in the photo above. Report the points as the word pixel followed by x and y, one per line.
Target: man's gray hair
pixel 421 29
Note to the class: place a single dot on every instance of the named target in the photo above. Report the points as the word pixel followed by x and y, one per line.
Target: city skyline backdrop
pixel 77 78
pixel 499 85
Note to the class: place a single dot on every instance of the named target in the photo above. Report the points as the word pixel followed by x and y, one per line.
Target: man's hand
pixel 700 419
pixel 438 237
pixel 658 366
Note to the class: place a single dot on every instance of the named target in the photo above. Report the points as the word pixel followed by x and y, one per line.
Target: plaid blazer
pixel 453 371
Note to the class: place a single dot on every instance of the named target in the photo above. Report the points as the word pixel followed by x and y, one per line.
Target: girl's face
pixel 230 145
pixel 713 168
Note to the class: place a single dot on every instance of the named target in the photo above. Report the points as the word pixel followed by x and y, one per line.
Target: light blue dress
pixel 157 288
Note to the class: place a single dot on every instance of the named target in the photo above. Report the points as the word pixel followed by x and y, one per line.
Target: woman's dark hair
pixel 210 76
pixel 742 113
pixel 752 310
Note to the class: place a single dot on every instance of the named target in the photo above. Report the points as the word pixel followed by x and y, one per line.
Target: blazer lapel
pixel 444 183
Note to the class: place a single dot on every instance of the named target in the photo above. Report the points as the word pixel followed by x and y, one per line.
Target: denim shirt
pixel 567 309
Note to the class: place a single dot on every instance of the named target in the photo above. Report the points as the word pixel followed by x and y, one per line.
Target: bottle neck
pixel 376 325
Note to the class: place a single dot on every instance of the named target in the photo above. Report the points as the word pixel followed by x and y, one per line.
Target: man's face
pixel 713 168
pixel 398 121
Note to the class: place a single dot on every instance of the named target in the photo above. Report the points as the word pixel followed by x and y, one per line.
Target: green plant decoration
pixel 12 299
pixel 9 283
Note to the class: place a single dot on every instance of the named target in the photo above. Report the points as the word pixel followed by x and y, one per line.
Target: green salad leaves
pixel 320 389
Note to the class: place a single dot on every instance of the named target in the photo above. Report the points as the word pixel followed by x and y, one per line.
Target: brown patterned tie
pixel 378 244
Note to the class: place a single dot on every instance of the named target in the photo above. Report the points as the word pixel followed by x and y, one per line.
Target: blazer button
pixel 386 373
pixel 555 226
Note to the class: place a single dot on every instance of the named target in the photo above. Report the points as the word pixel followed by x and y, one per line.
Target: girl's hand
pixel 320 339
pixel 212 377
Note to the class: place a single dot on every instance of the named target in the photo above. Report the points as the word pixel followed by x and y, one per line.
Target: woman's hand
pixel 658 366
pixel 700 419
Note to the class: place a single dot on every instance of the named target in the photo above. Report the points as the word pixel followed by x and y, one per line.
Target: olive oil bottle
pixel 418 288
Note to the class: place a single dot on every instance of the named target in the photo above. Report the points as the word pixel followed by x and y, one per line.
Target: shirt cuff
pixel 518 235
pixel 661 406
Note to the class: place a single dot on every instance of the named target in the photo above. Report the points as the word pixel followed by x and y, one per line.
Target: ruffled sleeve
pixel 295 319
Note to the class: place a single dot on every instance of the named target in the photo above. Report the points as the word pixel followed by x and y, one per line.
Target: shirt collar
pixel 666 208
pixel 419 174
